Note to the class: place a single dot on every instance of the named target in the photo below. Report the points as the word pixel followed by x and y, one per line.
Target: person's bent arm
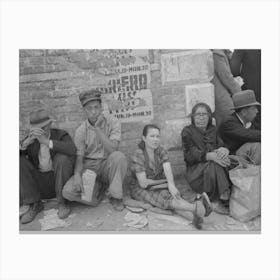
pixel 109 145
pixel 236 62
pixel 233 130
pixel 168 173
pixel 224 74
pixel 78 165
pixel 65 145
pixel 78 184
pixel 144 182
pixel 80 144
pixel 170 179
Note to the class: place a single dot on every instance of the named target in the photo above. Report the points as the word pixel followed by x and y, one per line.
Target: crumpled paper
pixel 135 209
pixel 51 220
pixel 135 220
pixel 94 224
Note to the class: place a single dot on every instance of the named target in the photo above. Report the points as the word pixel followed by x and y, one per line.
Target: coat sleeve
pixel 64 145
pixel 232 129
pixel 220 142
pixel 224 74
pixel 236 62
pixel 192 154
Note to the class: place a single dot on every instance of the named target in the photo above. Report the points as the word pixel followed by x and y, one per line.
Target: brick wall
pixel 53 79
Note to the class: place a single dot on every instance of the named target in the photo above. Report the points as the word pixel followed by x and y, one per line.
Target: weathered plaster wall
pixel 178 79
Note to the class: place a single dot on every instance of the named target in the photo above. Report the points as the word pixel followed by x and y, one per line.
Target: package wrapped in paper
pixel 88 178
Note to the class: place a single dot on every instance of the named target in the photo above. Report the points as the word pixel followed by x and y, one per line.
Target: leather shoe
pixel 30 215
pixel 117 204
pixel 63 210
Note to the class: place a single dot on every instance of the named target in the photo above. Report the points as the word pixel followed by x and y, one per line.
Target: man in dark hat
pixel 238 132
pixel 247 64
pixel 47 159
pixel 97 141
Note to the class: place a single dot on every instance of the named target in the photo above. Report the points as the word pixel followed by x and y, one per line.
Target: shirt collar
pixel 247 125
pixel 88 125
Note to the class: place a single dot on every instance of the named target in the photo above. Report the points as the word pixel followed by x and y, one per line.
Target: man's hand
pixel 26 142
pixel 174 192
pixel 99 121
pixel 39 134
pixel 222 152
pixel 78 183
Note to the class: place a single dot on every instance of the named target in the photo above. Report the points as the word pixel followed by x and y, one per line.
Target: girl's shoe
pixel 197 220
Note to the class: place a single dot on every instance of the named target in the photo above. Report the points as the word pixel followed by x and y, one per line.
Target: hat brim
pixel 42 124
pixel 247 105
pixel 91 99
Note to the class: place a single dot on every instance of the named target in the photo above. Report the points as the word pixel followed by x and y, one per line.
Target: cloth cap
pixel 89 95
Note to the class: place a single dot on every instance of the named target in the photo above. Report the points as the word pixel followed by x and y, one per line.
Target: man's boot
pixel 63 210
pixel 30 215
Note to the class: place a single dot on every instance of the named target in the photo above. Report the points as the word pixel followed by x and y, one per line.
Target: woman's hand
pixel 174 191
pixel 222 152
pixel 224 162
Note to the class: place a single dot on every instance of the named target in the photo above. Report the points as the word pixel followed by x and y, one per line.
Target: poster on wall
pixel 126 94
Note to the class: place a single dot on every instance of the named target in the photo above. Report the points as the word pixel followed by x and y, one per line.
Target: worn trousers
pixel 36 185
pixel 251 151
pixel 110 176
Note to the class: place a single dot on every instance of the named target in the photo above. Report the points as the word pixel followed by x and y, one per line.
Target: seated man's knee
pixel 67 191
pixel 256 151
pixel 256 146
pixel 251 151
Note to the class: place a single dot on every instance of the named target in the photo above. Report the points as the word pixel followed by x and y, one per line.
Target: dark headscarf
pixel 205 139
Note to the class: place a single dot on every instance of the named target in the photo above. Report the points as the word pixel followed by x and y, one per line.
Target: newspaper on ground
pixel 135 220
pixel 51 220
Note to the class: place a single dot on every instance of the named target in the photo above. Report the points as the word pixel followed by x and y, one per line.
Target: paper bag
pixel 245 200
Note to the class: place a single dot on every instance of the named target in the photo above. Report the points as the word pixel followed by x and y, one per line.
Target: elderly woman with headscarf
pixel 153 181
pixel 206 157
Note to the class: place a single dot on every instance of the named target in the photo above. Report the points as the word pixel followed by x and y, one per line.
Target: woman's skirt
pixel 208 177
pixel 158 198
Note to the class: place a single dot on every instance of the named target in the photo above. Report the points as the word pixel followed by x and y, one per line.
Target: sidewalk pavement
pixel 104 219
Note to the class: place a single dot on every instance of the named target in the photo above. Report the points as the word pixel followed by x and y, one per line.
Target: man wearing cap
pixel 238 132
pixel 97 141
pixel 47 159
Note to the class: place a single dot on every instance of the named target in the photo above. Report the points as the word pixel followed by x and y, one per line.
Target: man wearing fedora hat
pixel 47 158
pixel 97 141
pixel 238 131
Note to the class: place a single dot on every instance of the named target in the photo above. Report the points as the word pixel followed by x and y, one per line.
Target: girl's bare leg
pixel 181 204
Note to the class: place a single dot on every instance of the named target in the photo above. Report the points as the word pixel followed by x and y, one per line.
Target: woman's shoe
pixel 207 204
pixel 197 220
